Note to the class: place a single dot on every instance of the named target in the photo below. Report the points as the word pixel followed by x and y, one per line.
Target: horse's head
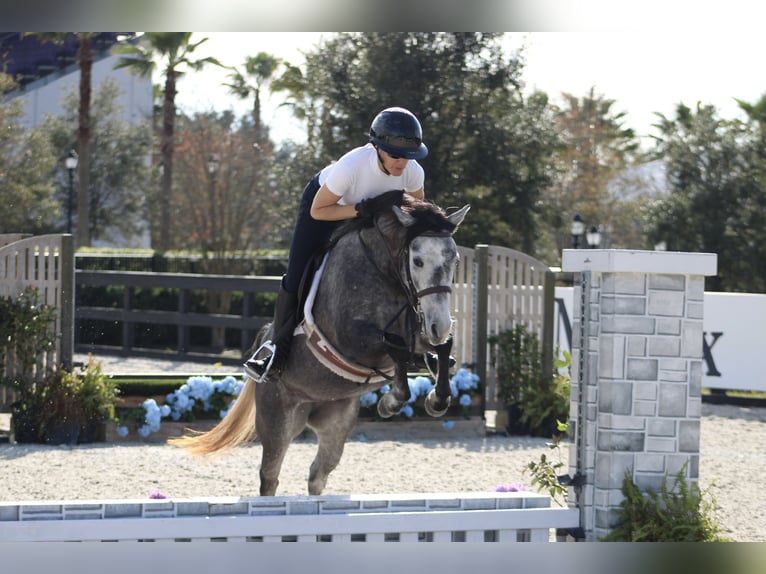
pixel 421 250
pixel 428 263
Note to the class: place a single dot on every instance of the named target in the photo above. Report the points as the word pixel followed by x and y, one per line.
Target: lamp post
pixel 70 162
pixel 212 169
pixel 593 237
pixel 577 229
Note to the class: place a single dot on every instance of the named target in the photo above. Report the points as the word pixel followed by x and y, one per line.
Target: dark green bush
pixel 534 401
pixel 678 513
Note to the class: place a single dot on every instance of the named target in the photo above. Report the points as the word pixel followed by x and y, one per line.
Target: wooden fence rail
pixel 128 316
pixel 494 289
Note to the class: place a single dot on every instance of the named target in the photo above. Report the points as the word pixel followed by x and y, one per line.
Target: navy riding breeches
pixel 309 236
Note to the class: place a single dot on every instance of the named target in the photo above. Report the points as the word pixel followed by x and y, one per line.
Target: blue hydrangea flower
pixel 407 411
pixel 465 400
pixel 368 399
pixel 196 390
pixel 122 431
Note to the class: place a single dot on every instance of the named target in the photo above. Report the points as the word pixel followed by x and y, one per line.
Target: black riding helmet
pixel 397 132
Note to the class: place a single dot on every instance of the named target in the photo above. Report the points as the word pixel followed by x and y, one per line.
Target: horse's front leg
pixel 438 400
pixel 393 401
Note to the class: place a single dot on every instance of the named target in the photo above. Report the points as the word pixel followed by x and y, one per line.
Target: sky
pixel 642 71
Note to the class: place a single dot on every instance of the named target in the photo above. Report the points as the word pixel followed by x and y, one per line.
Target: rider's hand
pixel 364 209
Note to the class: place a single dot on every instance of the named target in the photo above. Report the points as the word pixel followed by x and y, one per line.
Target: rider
pixel 337 193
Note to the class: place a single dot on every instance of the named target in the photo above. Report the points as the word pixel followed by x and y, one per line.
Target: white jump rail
pixel 469 517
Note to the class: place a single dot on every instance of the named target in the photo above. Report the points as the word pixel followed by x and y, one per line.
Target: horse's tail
pixel 235 429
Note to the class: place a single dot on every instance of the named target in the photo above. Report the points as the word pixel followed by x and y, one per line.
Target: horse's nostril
pixel 435 334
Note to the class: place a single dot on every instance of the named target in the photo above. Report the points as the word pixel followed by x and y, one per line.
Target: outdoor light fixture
pixel 577 229
pixel 212 164
pixel 593 237
pixel 70 162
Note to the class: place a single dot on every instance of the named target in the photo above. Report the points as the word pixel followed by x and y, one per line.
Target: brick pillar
pixel 636 373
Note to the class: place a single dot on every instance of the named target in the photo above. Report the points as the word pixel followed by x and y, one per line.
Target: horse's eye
pixel 418 262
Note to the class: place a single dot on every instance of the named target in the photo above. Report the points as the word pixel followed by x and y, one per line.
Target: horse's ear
pixel 404 218
pixel 457 218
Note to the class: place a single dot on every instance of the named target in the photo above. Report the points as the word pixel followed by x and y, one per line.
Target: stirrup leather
pixel 251 372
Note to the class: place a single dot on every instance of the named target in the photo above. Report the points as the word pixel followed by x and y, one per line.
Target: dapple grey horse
pixel 384 296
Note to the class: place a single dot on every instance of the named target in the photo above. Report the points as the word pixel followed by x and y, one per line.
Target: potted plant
pixel 98 395
pixel 76 405
pixel 533 403
pixel 63 412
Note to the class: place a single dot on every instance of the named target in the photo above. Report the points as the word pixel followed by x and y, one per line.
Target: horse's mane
pixel 429 218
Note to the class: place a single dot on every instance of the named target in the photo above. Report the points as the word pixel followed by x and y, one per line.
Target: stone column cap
pixel 637 261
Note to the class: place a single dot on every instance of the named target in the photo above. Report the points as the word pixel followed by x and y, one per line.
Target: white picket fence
pixel 469 517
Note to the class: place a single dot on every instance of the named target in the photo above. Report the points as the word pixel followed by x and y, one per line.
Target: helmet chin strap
pixel 382 163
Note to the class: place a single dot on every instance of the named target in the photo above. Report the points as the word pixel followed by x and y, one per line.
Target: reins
pixel 400 263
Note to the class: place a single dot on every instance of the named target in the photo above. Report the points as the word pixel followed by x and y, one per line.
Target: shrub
pixel 535 401
pixel 678 513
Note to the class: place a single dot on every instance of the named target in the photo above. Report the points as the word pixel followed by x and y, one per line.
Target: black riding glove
pixel 364 209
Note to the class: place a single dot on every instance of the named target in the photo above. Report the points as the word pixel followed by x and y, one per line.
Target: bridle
pixel 401 264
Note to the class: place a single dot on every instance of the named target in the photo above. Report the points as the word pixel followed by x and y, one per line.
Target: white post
pixel 636 373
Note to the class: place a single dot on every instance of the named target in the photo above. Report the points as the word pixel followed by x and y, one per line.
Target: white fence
pixel 494 289
pixel 457 517
pixel 45 263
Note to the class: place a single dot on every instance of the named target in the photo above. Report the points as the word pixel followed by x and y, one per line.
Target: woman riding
pixel 338 192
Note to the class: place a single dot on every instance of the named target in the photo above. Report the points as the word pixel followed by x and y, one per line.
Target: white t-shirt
pixel 357 176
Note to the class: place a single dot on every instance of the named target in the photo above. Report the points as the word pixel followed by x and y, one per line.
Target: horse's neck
pixel 359 290
pixel 382 250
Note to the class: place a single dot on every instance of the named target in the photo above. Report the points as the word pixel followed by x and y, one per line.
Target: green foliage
pixel 545 473
pixel 680 512
pixel 118 176
pixel 487 140
pixel 716 175
pixel 521 381
pixel 27 162
pixel 26 333
pixel 85 396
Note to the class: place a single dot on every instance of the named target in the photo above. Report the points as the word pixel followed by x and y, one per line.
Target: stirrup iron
pixel 252 373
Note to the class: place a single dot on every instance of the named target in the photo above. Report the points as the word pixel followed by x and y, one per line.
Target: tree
pixel 594 165
pixel 27 166
pixel 226 208
pixel 717 198
pixel 466 92
pixel 85 62
pixel 257 75
pixel 118 173
pixel 175 50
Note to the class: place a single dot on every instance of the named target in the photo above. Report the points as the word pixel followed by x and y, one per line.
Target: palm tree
pixel 260 68
pixel 85 62
pixel 175 50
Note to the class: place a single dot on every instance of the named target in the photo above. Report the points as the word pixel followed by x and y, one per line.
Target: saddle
pixel 323 350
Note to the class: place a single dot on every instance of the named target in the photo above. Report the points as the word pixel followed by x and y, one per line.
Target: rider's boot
pixel 271 356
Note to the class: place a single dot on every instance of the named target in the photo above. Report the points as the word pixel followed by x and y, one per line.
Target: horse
pixel 383 297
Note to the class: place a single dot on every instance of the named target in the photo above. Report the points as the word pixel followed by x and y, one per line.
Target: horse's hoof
pixel 383 410
pixel 433 402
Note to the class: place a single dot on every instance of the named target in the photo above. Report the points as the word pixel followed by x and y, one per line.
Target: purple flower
pixel 157 493
pixel 515 487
